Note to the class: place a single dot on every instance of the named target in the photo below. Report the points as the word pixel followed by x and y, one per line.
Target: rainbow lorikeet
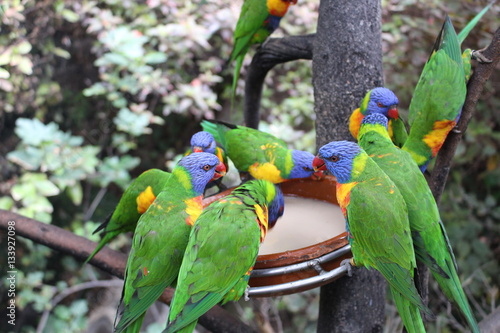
pixel 222 250
pixel 384 101
pixel 260 154
pixel 161 236
pixel 204 142
pixel 258 19
pixel 430 241
pixel 377 224
pixel 437 101
pixel 134 201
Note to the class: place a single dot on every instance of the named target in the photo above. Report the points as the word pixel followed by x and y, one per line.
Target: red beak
pixel 220 171
pixel 197 149
pixel 318 164
pixel 393 112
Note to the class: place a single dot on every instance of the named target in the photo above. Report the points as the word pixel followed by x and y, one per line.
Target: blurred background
pixel 92 93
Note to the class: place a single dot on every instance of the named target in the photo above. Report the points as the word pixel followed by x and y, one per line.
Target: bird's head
pixel 380 100
pixel 203 142
pixel 276 207
pixel 202 168
pixel 338 158
pixel 302 166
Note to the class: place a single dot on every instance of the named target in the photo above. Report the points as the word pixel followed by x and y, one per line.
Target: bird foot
pixel 478 55
pixel 246 297
pixel 348 263
pixel 456 130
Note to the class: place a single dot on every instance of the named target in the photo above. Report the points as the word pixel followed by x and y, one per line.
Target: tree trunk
pixel 347 62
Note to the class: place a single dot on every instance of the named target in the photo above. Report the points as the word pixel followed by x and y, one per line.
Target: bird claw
pixel 246 297
pixel 348 263
pixel 456 130
pixel 478 55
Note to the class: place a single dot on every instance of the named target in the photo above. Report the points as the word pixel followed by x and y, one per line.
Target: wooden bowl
pixel 304 268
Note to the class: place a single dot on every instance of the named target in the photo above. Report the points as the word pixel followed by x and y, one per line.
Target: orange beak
pixel 393 112
pixel 317 175
pixel 220 171
pixel 197 149
pixel 318 164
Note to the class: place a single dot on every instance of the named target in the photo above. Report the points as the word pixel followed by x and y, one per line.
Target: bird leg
pixel 349 263
pixel 478 55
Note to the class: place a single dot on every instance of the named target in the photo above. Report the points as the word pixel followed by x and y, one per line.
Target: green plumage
pixel 252 151
pixel 223 246
pixel 429 236
pixel 126 213
pixel 377 225
pixel 160 238
pixel 440 93
pixel 254 26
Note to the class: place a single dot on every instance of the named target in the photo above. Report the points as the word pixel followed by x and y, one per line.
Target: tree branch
pixel 274 51
pixel 112 262
pixel 474 88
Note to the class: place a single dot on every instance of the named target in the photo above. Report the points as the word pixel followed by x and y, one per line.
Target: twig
pixel 74 289
pixel 97 200
pixel 112 262
pixel 474 88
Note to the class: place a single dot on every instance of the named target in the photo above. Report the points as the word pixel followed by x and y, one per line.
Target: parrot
pixel 384 101
pixel 261 154
pixel 161 237
pixel 144 189
pixel 439 96
pixel 222 250
pixel 134 201
pixel 258 20
pixel 430 240
pixel 377 224
pixel 204 142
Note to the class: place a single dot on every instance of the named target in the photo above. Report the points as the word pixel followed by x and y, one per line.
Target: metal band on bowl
pixel 323 276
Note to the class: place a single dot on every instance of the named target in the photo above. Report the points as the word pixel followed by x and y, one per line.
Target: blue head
pixel 375 119
pixel 203 142
pixel 383 101
pixel 276 207
pixel 202 168
pixel 302 165
pixel 338 158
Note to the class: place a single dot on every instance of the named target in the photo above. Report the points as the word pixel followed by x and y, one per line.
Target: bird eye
pixel 380 105
pixel 334 158
pixel 206 167
pixel 307 169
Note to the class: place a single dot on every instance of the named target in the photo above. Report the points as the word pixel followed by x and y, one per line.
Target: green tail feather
pixel 465 31
pixel 236 76
pixel 453 290
pixel 448 42
pixel 107 238
pixel 409 313
pixel 218 130
pixel 186 329
pixel 135 326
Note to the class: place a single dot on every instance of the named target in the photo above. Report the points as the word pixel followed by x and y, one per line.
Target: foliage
pixel 94 92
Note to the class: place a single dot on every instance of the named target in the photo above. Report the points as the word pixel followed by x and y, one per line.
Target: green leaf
pixel 75 193
pixel 6 203
pixel 61 53
pixel 70 15
pixel 155 57
pixel 4 74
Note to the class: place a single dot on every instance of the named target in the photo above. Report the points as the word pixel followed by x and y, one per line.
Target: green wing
pixel 377 219
pixel 126 213
pixel 438 98
pixel 248 31
pixel 430 240
pixel 223 246
pixel 157 249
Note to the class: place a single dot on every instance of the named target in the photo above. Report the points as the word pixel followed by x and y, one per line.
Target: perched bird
pixel 134 201
pixel 377 224
pixel 438 98
pixel 258 19
pixel 384 101
pixel 222 249
pixel 428 232
pixel 260 154
pixel 204 142
pixel 161 237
